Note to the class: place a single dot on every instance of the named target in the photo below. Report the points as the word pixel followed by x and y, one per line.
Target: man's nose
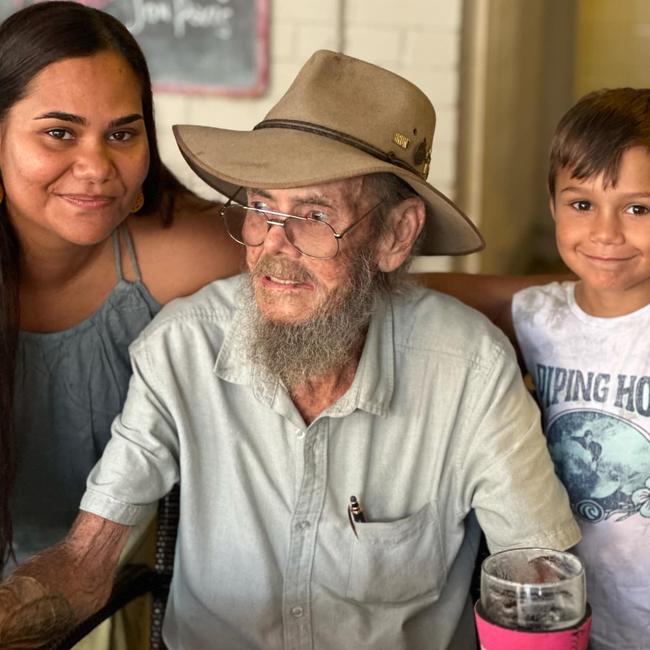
pixel 276 240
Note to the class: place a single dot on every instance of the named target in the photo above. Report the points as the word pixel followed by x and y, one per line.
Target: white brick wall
pixel 419 39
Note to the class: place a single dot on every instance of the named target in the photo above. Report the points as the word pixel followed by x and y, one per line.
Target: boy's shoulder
pixel 554 296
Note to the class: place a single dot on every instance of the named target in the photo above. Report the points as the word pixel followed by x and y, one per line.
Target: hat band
pixel 317 129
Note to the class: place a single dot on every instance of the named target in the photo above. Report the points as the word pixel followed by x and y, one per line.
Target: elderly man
pixel 339 436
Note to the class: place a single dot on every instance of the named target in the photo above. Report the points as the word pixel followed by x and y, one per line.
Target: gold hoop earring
pixel 138 203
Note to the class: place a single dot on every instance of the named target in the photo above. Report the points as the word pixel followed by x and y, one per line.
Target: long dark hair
pixel 30 40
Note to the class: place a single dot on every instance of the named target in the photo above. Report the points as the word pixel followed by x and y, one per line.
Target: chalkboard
pixel 193 46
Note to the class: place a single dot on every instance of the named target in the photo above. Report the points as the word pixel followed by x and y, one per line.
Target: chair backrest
pixel 166 530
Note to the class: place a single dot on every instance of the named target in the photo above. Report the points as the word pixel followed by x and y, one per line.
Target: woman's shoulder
pixel 180 258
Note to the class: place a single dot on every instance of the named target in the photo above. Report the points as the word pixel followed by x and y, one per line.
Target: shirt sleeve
pixel 518 498
pixel 140 464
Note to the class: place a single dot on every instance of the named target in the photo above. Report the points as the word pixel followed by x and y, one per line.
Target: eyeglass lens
pixel 249 227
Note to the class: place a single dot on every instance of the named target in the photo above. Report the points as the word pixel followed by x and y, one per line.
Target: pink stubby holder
pixel 495 637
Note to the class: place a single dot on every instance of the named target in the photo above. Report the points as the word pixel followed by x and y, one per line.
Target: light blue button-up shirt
pixel 436 432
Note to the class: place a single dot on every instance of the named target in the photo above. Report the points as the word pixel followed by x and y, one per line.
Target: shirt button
pixel 300 434
pixel 303 525
pixel 296 612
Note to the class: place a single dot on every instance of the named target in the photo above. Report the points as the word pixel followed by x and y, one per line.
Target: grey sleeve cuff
pixel 105 506
pixel 560 538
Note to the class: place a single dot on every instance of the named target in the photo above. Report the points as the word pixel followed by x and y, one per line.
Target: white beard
pixel 298 352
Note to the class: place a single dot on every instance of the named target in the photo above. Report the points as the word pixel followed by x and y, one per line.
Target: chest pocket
pixel 399 560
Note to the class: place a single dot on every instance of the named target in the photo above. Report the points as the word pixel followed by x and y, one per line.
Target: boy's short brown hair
pixel 593 135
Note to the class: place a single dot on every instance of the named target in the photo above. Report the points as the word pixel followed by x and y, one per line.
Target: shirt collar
pixel 373 383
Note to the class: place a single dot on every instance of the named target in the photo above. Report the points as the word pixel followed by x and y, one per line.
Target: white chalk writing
pixel 181 14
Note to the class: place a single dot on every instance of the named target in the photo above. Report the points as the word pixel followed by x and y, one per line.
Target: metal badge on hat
pixel 401 140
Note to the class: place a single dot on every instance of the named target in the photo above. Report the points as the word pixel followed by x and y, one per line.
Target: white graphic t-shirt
pixel 592 378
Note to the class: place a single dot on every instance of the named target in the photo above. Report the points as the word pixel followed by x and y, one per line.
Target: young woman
pixel 95 235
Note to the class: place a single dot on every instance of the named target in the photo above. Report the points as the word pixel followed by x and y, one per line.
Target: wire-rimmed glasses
pixel 306 233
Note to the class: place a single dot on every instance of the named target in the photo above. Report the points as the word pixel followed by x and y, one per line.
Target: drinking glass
pixel 533 589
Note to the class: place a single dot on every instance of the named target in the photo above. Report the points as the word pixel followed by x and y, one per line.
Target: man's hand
pixel 56 589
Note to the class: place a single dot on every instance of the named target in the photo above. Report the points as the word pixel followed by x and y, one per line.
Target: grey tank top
pixel 70 385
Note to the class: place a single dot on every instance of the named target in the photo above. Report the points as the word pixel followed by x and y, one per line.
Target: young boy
pixel 586 347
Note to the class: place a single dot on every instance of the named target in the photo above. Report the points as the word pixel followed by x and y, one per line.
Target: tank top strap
pixel 124 231
pixel 117 254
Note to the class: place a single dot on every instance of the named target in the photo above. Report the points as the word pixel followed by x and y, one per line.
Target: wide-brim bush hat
pixel 340 118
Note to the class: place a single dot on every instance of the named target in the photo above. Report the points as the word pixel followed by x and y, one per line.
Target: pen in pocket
pixel 355 514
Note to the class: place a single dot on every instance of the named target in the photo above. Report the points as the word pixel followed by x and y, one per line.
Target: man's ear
pixel 405 222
